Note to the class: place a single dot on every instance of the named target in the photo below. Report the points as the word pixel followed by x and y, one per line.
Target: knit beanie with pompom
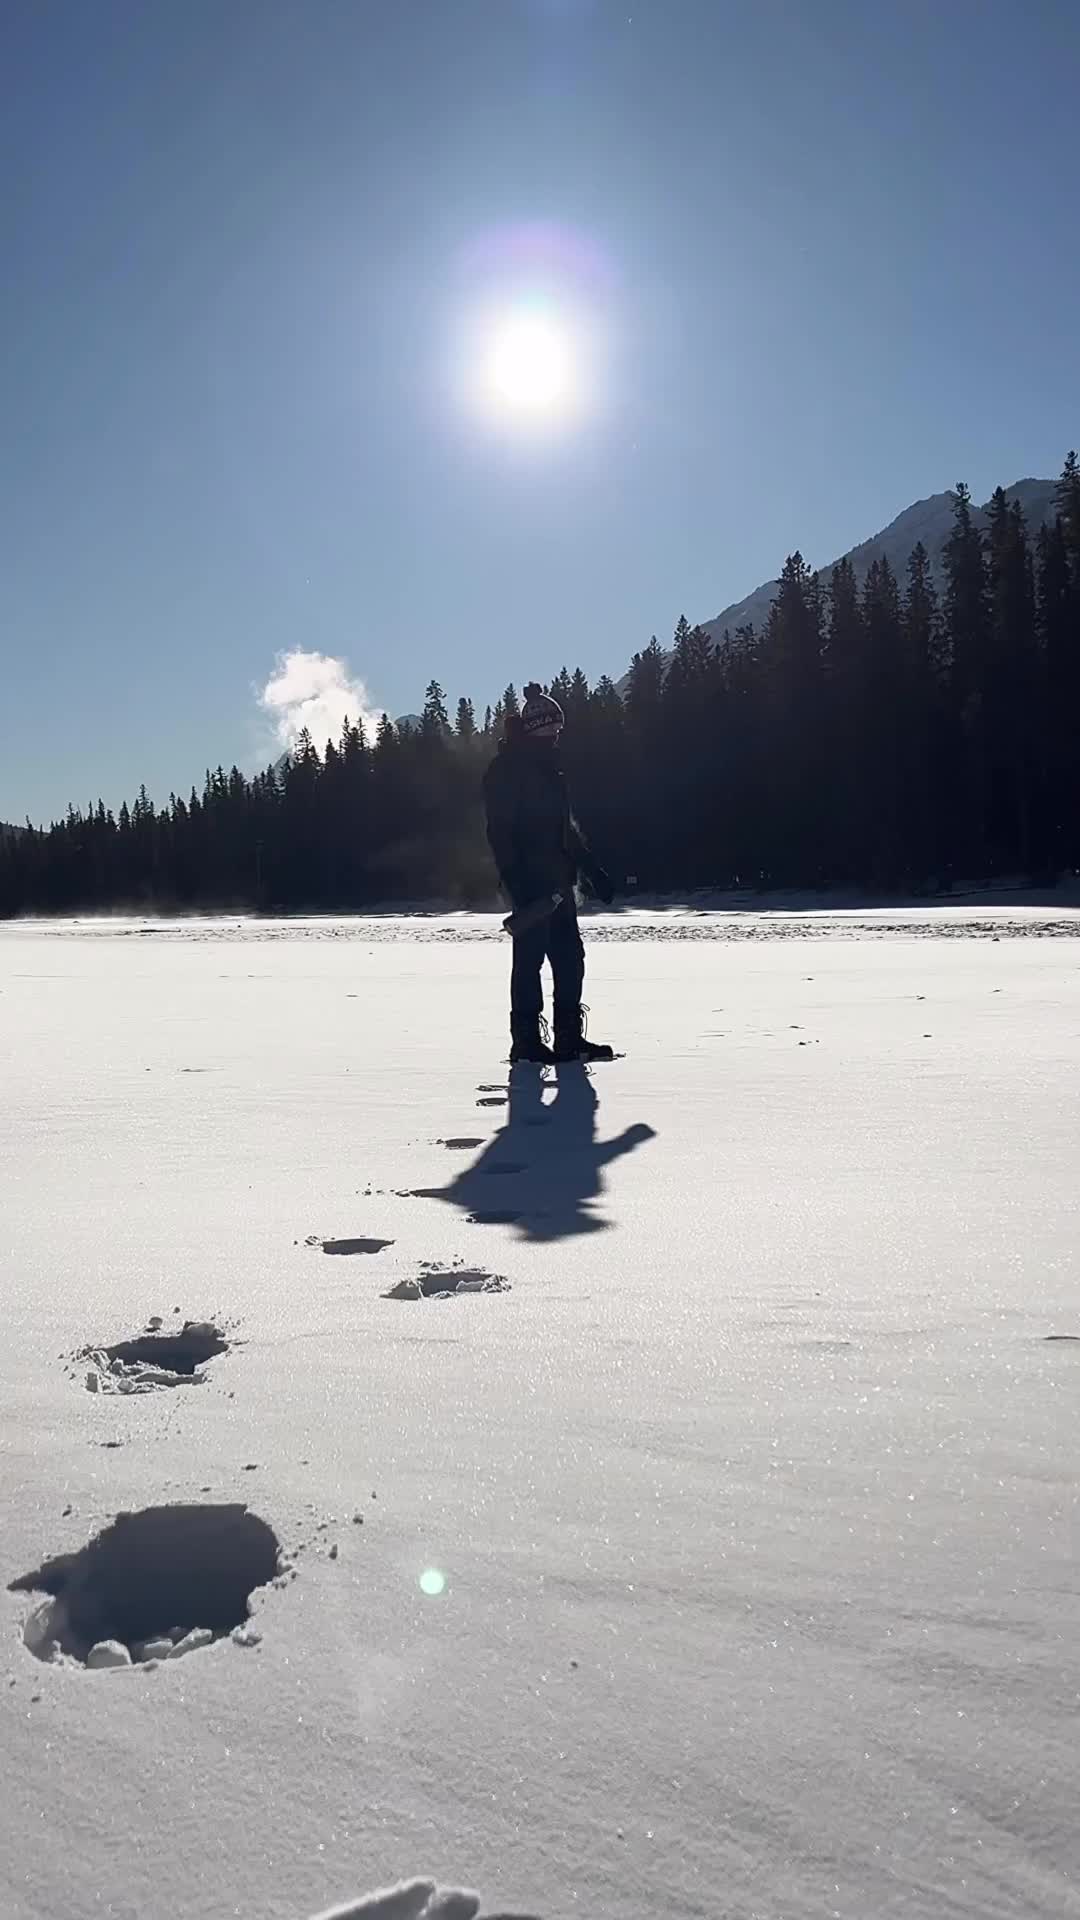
pixel 542 718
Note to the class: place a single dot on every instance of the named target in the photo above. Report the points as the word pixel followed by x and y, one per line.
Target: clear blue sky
pixel 832 248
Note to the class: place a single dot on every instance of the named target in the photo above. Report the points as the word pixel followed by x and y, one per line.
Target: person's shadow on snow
pixel 415 1900
pixel 542 1171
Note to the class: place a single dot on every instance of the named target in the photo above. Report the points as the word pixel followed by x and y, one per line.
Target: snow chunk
pixel 109 1653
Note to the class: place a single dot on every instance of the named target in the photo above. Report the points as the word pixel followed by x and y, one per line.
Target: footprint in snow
pixel 442 1283
pixel 153 1585
pixel 154 1359
pixel 352 1246
pixel 462 1142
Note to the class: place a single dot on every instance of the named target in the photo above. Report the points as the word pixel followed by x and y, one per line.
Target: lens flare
pixel 432 1582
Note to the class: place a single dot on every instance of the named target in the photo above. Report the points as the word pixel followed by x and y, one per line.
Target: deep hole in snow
pixel 197 1342
pixel 166 1578
pixel 154 1359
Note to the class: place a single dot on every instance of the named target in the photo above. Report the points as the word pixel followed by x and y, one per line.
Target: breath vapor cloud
pixel 316 691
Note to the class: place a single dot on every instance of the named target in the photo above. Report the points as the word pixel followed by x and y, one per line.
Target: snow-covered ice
pixel 719 1564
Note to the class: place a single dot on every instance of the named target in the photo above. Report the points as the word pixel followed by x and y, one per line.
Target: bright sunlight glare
pixel 530 364
pixel 530 368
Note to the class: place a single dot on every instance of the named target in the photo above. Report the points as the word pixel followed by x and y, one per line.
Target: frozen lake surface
pixel 673 1468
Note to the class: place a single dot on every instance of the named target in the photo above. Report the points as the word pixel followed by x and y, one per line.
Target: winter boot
pixel 570 1040
pixel 527 1043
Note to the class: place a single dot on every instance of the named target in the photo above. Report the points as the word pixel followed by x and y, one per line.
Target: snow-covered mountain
pixel 927 520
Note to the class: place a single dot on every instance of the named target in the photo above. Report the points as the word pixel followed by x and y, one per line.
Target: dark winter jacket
pixel 536 841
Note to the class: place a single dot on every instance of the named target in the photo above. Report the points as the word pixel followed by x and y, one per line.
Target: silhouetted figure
pixel 540 851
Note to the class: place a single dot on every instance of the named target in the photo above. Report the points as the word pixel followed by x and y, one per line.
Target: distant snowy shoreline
pixel 722 918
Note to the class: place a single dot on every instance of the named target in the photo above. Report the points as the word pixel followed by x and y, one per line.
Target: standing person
pixel 540 850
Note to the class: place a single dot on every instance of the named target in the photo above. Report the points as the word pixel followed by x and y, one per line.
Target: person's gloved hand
pixel 601 882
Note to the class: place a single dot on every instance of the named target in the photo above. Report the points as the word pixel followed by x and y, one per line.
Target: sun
pixel 530 371
pixel 530 367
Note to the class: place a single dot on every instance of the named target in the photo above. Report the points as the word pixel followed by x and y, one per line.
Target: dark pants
pixel 557 940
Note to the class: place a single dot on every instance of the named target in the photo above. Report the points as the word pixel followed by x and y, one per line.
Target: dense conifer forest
pixel 883 735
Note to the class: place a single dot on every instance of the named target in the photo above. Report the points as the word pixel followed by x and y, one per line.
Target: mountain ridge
pixel 928 520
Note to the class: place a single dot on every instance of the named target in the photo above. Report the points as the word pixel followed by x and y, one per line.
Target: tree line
pixel 879 735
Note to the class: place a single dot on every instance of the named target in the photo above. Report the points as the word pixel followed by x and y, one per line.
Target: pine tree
pixel 792 666
pixel 887 724
pixel 607 702
pixel 921 616
pixel 688 774
pixel 351 826
pixel 844 668
pixel 924 721
pixel 690 666
pixel 465 726
pixel 1058 613
pixel 967 634
pixel 647 831
pixel 352 740
pixel 645 687
pixel 576 704
pixel 1068 507
pixel 435 722
pixel 1009 691
pixel 561 688
pixel 966 609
